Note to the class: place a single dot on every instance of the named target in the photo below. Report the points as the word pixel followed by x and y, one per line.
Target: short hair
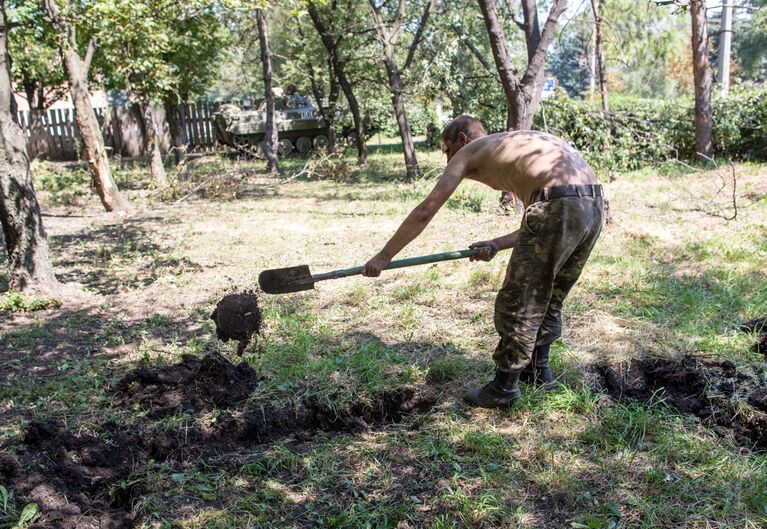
pixel 469 125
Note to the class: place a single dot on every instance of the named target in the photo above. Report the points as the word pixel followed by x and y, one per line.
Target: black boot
pixel 538 371
pixel 501 392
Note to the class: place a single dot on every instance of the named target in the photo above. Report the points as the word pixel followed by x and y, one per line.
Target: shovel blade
pixel 284 280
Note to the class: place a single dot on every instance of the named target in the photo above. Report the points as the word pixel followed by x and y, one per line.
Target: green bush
pixel 16 302
pixel 639 132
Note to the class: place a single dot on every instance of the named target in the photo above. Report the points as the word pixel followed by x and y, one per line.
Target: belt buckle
pixel 546 194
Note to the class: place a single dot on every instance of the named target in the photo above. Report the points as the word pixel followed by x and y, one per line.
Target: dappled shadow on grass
pixel 164 427
pixel 64 357
pixel 657 456
pixel 116 256
pixel 671 293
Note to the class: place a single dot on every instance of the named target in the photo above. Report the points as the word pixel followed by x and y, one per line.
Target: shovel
pixel 298 278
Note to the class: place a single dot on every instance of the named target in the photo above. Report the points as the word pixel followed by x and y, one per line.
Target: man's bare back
pixel 523 162
pixel 520 162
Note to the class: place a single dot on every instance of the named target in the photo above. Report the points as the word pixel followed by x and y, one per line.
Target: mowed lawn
pixel 666 279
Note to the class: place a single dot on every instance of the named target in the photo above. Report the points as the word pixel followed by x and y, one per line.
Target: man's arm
pixel 493 246
pixel 420 217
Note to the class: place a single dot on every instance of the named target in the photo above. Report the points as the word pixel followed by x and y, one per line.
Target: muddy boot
pixel 538 371
pixel 501 392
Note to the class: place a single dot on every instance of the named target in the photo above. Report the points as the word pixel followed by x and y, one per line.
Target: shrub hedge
pixel 639 132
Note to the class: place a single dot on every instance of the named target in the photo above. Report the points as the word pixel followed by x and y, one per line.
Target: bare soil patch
pixel 711 391
pixel 84 479
pixel 78 480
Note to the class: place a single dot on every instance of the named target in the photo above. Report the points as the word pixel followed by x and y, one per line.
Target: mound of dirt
pixel 82 479
pixel 708 390
pixel 74 478
pixel 194 384
pixel 237 318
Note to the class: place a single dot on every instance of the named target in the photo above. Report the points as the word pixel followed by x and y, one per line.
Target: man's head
pixel 460 132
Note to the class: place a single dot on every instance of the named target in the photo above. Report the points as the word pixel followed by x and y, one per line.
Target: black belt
pixel 548 193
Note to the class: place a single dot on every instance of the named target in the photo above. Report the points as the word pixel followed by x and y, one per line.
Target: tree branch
pixel 520 25
pixel 418 34
pixel 398 19
pixel 535 66
pixel 531 27
pixel 503 63
pixel 89 56
pixel 473 49
pixel 383 37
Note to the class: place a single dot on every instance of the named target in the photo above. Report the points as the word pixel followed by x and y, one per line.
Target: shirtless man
pixel 562 221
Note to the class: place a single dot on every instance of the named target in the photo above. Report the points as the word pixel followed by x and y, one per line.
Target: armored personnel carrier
pixel 299 126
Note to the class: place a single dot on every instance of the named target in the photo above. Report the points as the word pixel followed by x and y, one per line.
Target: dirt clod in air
pixel 758 326
pixel 237 318
pixel 194 384
pixel 708 390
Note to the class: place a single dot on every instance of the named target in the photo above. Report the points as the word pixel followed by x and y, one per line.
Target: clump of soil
pixel 194 384
pixel 708 390
pixel 74 478
pixel 757 325
pixel 237 318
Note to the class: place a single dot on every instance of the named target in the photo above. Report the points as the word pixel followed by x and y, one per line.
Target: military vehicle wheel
pixel 245 148
pixel 284 147
pixel 321 142
pixel 303 144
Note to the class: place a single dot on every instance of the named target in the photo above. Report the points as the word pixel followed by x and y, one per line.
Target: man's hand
pixel 487 252
pixel 373 267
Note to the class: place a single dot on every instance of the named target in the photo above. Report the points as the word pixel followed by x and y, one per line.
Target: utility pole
pixel 725 45
pixel 593 64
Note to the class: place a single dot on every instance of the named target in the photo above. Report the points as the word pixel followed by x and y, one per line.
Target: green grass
pixel 661 281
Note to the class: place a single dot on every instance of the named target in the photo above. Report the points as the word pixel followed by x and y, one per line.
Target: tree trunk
pixel 332 105
pixel 522 95
pixel 331 46
pixel 152 144
pixel 174 128
pixel 328 113
pixel 271 139
pixel 593 65
pixel 387 38
pixel 30 90
pixel 396 88
pixel 77 76
pixel 702 76
pixel 29 262
pixel 600 55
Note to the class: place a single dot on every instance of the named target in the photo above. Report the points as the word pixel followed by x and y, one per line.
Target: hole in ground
pixel 84 480
pixel 708 390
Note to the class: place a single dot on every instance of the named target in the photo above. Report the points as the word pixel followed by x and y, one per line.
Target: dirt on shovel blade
pixel 237 318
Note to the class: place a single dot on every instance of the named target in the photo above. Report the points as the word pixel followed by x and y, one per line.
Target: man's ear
pixel 464 139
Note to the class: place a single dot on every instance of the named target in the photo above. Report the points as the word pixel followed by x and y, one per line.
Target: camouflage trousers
pixel 555 240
